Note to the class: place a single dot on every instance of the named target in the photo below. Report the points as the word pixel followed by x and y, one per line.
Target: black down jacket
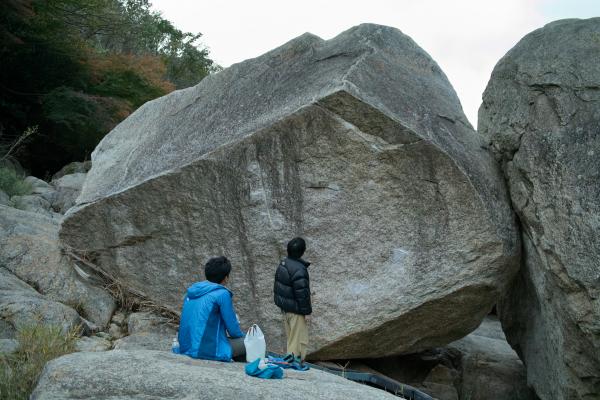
pixel 292 286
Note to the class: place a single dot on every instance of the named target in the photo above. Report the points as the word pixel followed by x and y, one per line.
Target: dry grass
pixel 12 183
pixel 38 344
pixel 126 298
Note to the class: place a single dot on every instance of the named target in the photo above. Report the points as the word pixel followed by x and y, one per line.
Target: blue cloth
pixel 269 372
pixel 206 316
pixel 285 364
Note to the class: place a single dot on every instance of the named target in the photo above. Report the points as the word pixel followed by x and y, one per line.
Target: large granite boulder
pixel 29 249
pixel 360 145
pixel 541 113
pixel 146 374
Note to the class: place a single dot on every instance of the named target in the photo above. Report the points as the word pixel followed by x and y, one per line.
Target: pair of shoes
pixel 289 357
pixel 299 365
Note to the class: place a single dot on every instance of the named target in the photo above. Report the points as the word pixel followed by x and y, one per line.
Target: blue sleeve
pixel 228 315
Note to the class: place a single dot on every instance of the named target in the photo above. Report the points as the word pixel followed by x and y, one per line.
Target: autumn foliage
pixel 76 68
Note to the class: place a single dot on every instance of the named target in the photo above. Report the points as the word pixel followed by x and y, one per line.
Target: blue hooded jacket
pixel 207 313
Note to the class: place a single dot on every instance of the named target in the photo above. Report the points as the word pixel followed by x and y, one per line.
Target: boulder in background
pixel 541 114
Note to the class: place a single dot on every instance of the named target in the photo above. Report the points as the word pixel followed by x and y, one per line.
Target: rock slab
pixel 21 306
pixel 145 375
pixel 29 249
pixel 541 114
pixel 357 143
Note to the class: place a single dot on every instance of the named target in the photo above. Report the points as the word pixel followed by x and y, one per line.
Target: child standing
pixel 292 296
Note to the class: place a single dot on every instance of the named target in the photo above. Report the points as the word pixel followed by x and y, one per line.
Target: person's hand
pixel 308 319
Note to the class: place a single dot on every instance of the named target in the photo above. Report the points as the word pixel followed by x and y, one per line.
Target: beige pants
pixel 297 334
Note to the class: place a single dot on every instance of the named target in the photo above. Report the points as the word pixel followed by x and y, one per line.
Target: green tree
pixel 75 68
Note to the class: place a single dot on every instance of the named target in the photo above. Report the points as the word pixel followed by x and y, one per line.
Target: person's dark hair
pixel 217 268
pixel 296 247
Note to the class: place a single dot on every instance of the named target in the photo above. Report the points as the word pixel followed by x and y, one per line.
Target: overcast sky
pixel 465 37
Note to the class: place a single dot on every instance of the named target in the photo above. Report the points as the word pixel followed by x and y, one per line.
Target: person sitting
pixel 208 314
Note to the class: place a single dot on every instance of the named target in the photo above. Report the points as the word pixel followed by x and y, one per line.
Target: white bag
pixel 255 344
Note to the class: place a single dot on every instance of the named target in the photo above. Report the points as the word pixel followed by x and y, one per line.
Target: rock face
pixel 358 144
pixel 541 113
pixel 29 249
pixel 159 375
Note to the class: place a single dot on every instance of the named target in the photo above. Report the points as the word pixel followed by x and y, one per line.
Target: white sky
pixel 465 37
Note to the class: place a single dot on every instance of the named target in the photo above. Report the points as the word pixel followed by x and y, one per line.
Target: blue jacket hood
pixel 199 289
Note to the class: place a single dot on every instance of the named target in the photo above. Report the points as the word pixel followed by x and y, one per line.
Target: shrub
pixel 38 344
pixel 12 182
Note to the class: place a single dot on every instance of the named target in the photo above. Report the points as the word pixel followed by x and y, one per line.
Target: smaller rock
pixel 441 383
pixel 29 249
pixel 115 331
pixel 73 168
pixel 67 190
pixel 147 331
pixel 33 203
pixel 146 341
pixel 8 346
pixel 7 331
pixel 439 391
pixel 92 343
pixel 4 198
pixel 41 188
pixel 490 367
pixel 21 305
pixel 120 319
pixel 37 183
pixel 148 322
pixel 104 335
